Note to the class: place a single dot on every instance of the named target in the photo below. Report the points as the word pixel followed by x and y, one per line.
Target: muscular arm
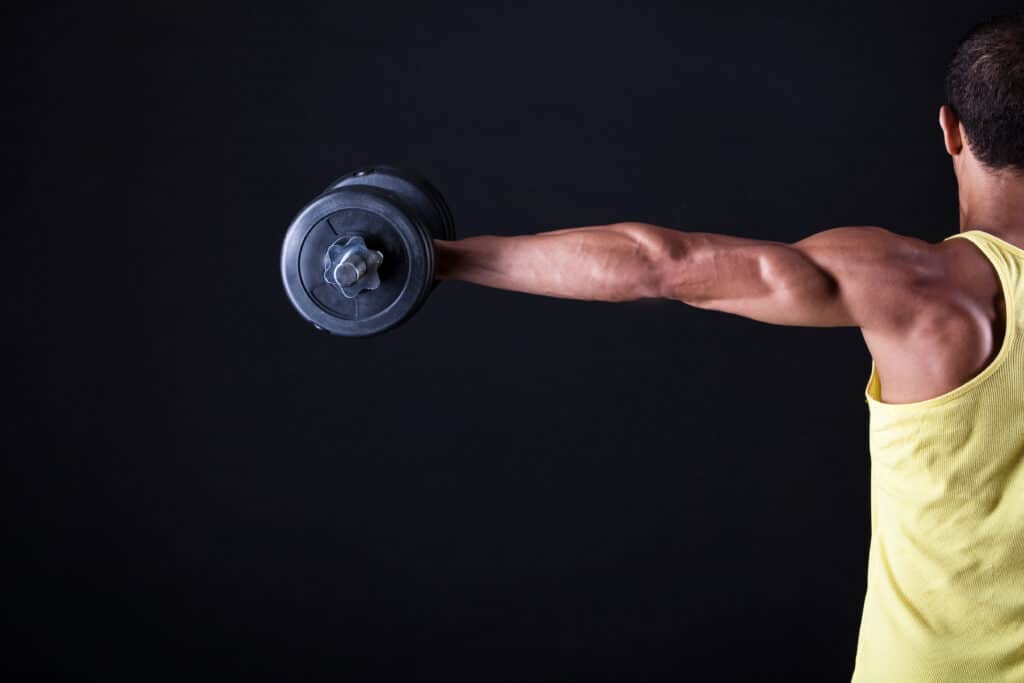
pixel 860 276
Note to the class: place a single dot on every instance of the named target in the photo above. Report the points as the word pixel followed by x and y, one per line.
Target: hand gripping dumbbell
pixel 359 259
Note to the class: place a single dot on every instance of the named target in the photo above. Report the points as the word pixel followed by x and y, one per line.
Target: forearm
pixel 619 262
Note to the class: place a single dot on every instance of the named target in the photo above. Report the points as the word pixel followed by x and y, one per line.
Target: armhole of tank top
pixel 1010 326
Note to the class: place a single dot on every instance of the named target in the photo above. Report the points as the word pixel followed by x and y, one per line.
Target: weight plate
pixel 414 189
pixel 387 224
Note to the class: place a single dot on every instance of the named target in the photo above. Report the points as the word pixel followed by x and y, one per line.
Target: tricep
pixel 853 276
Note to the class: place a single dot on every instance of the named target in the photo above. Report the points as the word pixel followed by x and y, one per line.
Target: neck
pixel 992 201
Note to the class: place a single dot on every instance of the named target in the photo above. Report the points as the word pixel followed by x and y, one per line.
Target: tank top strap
pixel 1006 258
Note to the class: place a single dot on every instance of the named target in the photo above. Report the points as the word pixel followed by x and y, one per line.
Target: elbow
pixel 659 255
pixel 669 257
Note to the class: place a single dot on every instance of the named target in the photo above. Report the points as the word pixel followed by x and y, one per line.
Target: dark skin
pixel 932 315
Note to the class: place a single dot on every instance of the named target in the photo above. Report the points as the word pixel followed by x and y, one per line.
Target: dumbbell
pixel 359 259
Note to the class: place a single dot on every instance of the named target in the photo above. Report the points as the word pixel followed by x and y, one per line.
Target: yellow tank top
pixel 945 593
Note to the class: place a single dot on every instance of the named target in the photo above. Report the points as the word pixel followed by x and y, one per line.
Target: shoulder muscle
pixel 883 279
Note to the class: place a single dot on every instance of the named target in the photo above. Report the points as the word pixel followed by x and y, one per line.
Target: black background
pixel 507 487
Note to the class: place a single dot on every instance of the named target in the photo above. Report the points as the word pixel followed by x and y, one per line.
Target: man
pixel 945 327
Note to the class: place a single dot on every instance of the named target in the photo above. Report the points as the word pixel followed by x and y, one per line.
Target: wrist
pixel 444 259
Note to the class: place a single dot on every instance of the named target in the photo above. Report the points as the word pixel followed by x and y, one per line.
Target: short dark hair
pixel 985 87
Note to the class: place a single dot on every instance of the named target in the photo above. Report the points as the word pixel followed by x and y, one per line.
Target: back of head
pixel 985 88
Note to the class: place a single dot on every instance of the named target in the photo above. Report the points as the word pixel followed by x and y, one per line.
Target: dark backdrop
pixel 522 488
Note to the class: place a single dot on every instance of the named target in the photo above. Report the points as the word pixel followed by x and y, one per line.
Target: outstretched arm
pixel 860 276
